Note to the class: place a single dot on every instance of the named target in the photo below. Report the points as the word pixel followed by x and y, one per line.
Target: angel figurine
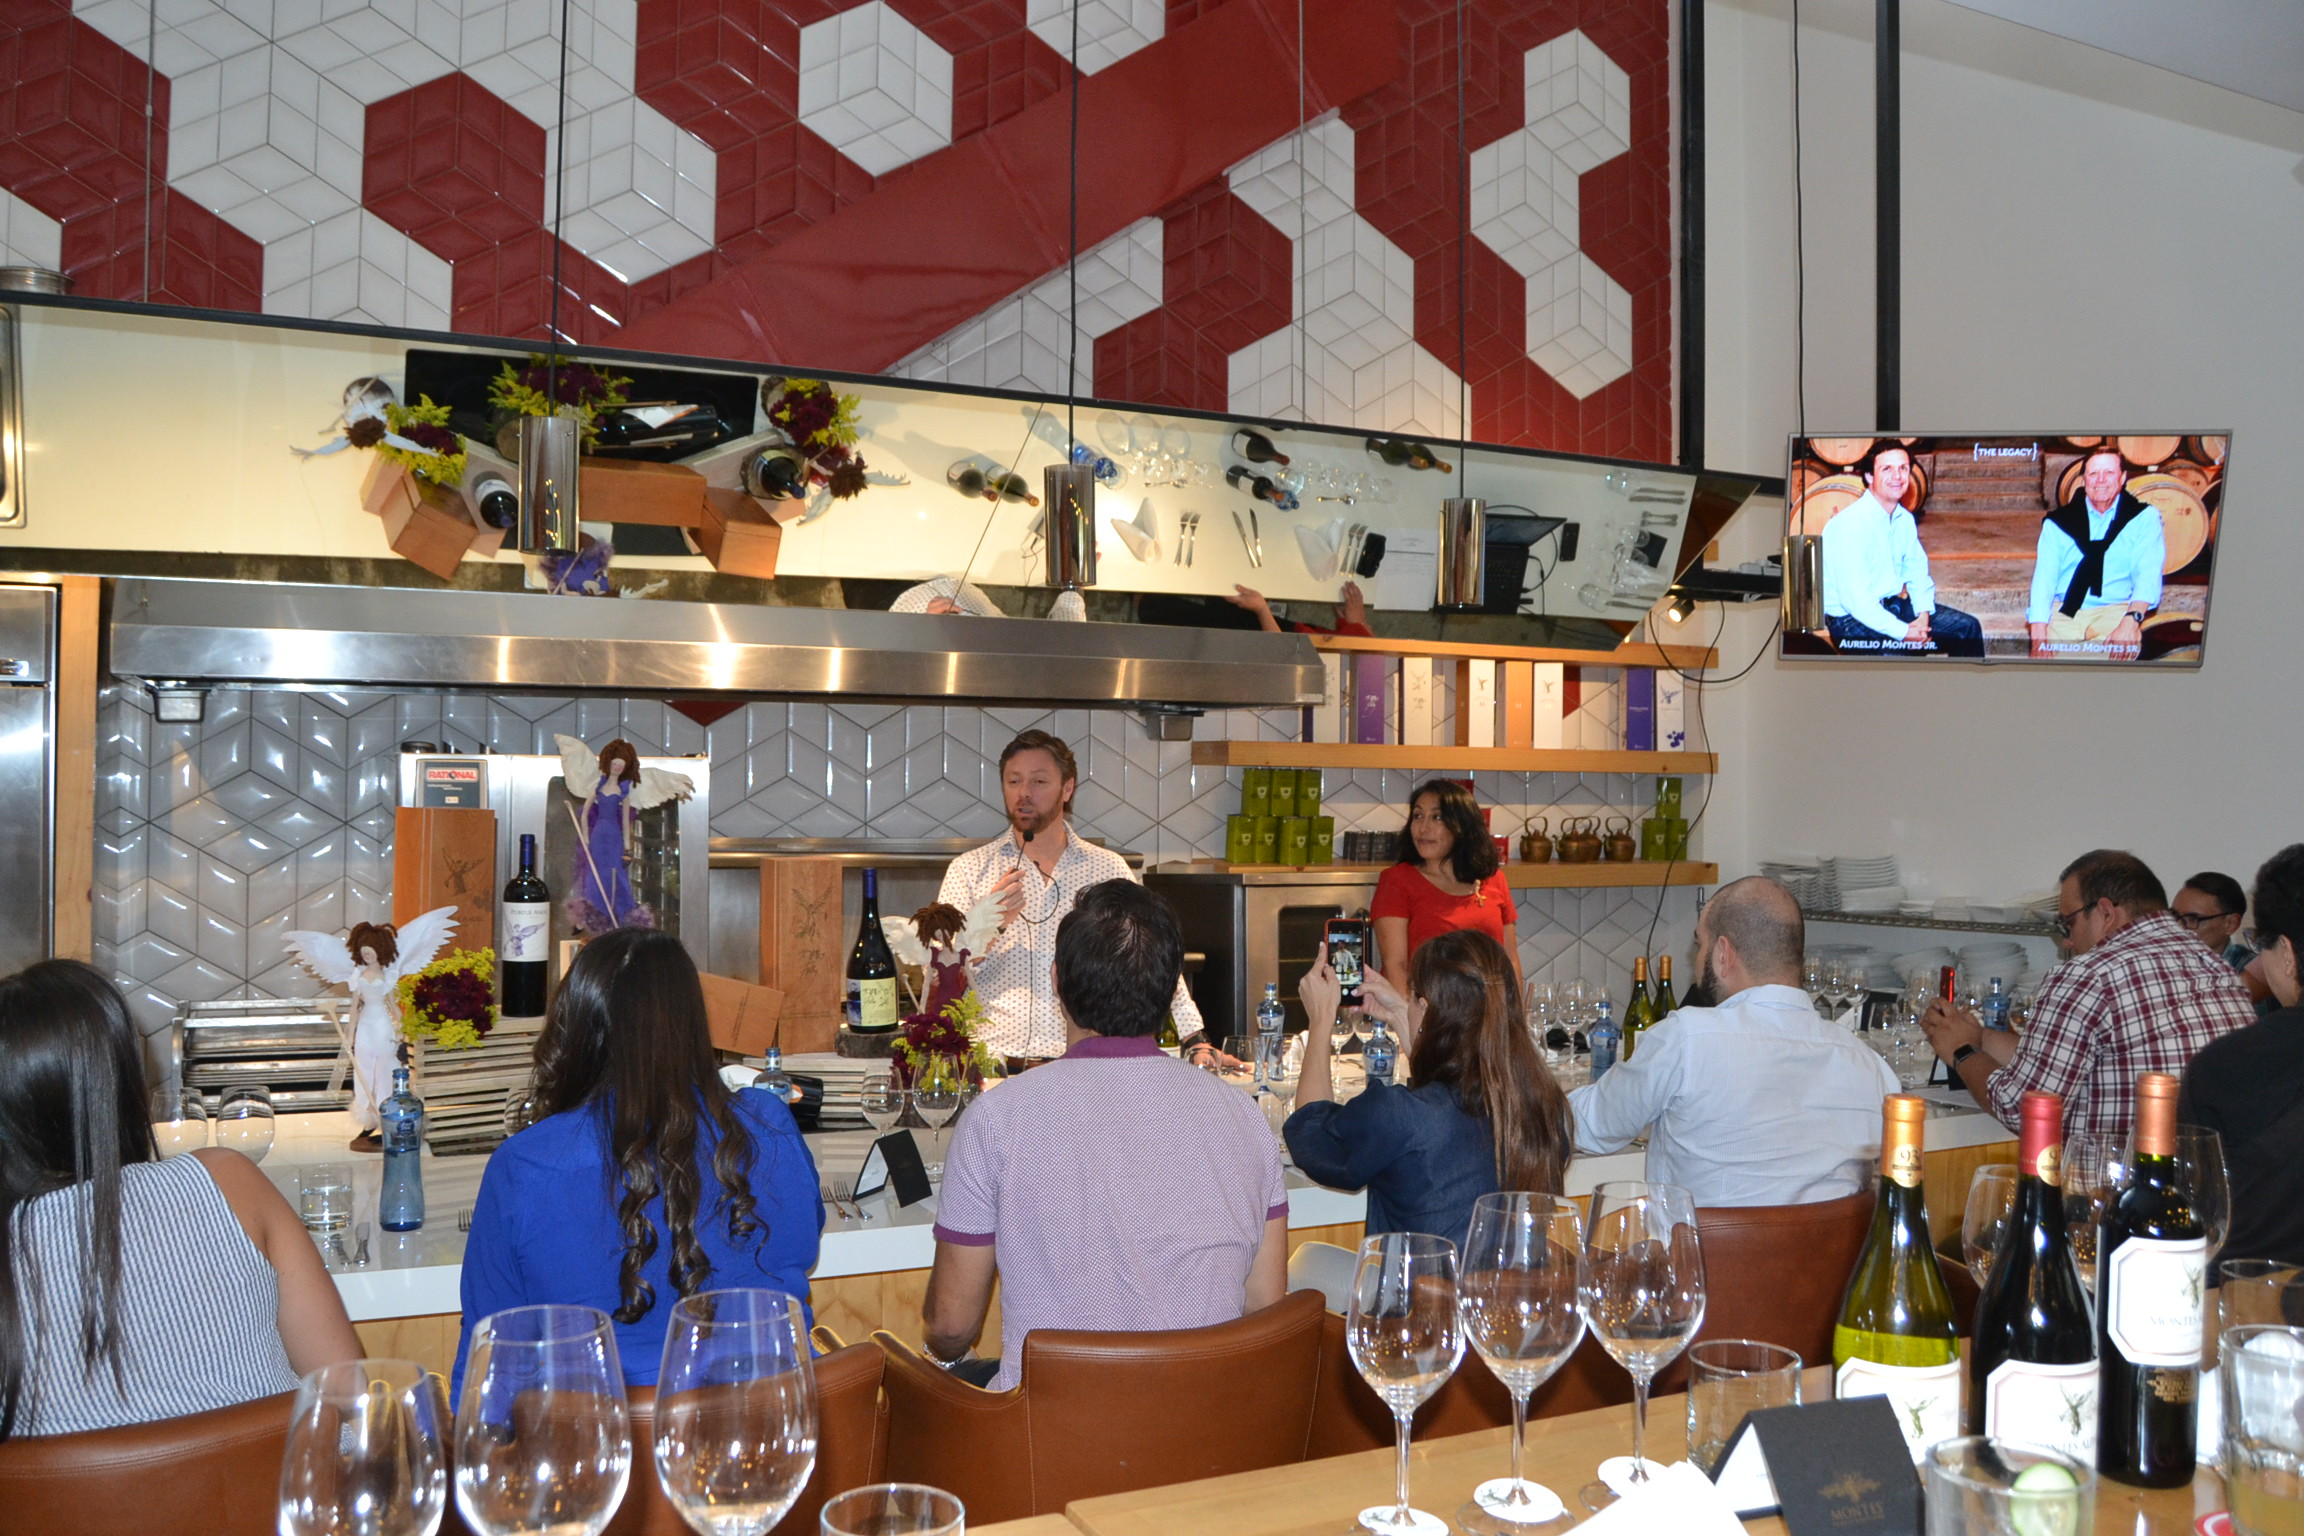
pixel 369 961
pixel 946 944
pixel 610 792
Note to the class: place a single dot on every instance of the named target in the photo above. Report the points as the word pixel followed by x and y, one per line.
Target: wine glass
pixel 1991 1195
pixel 1246 1063
pixel 367 1452
pixel 893 1509
pixel 1812 980
pixel 1405 1340
pixel 937 1092
pixel 543 1436
pixel 2092 1167
pixel 881 1101
pixel 1642 1288
pixel 179 1120
pixel 735 1410
pixel 1517 1300
pixel 2200 1167
pixel 244 1122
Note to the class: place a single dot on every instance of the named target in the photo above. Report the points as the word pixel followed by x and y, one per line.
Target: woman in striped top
pixel 133 1288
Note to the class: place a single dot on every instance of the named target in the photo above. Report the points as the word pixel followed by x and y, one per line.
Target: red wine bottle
pixel 2032 1353
pixel 1256 485
pixel 2151 1267
pixel 1256 448
pixel 1406 452
pixel 774 474
pixel 525 953
pixel 871 968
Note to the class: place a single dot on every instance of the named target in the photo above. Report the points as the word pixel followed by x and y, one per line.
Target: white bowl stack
pixel 1987 958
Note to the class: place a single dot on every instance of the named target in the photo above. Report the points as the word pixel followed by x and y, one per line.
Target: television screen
pixel 2094 550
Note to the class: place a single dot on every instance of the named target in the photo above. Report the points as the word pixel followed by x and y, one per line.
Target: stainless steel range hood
pixel 388 637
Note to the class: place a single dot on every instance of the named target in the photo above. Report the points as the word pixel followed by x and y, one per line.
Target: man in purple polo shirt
pixel 1113 1188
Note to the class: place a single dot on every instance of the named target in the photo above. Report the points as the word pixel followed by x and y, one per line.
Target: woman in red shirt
pixel 1446 879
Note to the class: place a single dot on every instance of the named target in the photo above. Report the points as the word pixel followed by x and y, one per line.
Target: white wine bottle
pixel 1640 1012
pixel 1896 1337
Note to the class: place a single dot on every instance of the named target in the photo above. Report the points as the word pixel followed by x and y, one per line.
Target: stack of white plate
pixel 1864 874
pixel 1810 882
pixel 1922 962
pixel 1872 898
pixel 1987 958
pixel 843 1078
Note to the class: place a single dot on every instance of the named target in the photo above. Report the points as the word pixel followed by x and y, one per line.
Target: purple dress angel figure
pixel 608 793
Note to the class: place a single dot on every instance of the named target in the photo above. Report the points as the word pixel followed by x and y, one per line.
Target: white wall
pixel 2090 243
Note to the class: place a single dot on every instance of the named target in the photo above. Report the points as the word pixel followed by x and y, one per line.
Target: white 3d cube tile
pixel 875 87
pixel 28 237
pixel 1108 30
pixel 1022 342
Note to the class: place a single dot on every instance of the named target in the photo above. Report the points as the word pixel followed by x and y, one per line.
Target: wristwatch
pixel 1962 1055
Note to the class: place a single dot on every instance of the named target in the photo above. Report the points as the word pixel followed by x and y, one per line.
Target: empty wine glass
pixel 2200 1167
pixel 2092 1168
pixel 179 1120
pixel 1642 1287
pixel 1405 1340
pixel 1517 1300
pixel 1346 1029
pixel 937 1092
pixel 735 1410
pixel 244 1122
pixel 1991 1195
pixel 367 1452
pixel 893 1509
pixel 1812 980
pixel 881 1101
pixel 543 1436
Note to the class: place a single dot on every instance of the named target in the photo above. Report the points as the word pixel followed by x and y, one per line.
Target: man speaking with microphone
pixel 1037 868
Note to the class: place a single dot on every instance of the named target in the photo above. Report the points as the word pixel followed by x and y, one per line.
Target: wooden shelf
pixel 1309 754
pixel 1685 657
pixel 1553 876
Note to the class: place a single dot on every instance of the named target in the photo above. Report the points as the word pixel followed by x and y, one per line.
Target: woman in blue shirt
pixel 1481 1111
pixel 647 1179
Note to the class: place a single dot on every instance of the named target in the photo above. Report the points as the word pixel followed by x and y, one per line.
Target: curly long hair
pixel 627 1035
pixel 1473 1039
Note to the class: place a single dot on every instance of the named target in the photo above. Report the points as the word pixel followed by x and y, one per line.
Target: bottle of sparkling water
pixel 773 1079
pixel 400 1206
pixel 1604 1037
pixel 1379 1054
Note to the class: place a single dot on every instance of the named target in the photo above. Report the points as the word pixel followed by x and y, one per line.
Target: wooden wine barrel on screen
pixel 2171 637
pixel 2148 452
pixel 2068 483
pixel 2183 514
pixel 2084 443
pixel 1825 497
pixel 1841 451
pixel 1916 493
pixel 2206 450
pixel 2197 476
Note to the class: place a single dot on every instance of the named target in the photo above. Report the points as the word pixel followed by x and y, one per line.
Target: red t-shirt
pixel 1402 891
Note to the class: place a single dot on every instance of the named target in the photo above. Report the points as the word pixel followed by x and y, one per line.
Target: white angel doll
pixel 945 944
pixel 610 791
pixel 369 962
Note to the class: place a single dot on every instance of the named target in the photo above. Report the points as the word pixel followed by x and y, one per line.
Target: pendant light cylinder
pixel 1463 551
pixel 548 485
pixel 1068 500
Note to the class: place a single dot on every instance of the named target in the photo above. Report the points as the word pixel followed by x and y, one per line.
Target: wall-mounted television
pixel 2091 550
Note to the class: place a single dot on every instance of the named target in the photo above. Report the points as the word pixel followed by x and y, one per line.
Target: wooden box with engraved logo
pixel 803 953
pixel 442 857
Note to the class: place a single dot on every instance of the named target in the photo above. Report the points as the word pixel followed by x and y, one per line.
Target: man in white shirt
pixel 1038 867
pixel 1878 596
pixel 1756 1101
pixel 2096 574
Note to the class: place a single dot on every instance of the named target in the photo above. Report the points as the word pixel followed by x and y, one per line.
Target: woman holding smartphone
pixel 1480 1111
pixel 1446 879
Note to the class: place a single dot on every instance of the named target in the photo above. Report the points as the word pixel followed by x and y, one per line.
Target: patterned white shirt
pixel 1014 979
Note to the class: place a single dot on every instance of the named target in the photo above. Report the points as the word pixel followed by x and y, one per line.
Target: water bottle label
pixel 527 932
pixel 2154 1291
pixel 1926 1397
pixel 2050 1405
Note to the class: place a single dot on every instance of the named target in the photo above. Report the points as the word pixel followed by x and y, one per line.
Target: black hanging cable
pixel 559 219
pixel 1463 263
pixel 151 129
pixel 1072 264
pixel 1799 252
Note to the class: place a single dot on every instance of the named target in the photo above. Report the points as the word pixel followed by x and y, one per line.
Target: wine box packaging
pixel 1416 701
pixel 427 526
pixel 446 856
pixel 743 1018
pixel 631 491
pixel 1519 703
pixel 1476 703
pixel 737 536
pixel 1328 714
pixel 1548 711
pixel 1671 711
pixel 803 952
pixel 1371 677
pixel 1639 709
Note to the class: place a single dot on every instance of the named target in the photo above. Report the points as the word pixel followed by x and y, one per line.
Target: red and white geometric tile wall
pixel 878 185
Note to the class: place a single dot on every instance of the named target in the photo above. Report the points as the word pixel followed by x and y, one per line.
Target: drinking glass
pixel 893 1509
pixel 367 1452
pixel 937 1092
pixel 1406 1340
pixel 2092 1168
pixel 179 1120
pixel 543 1437
pixel 1642 1288
pixel 1991 1194
pixel 881 1101
pixel 1728 1379
pixel 2259 1291
pixel 1247 1063
pixel 1517 1303
pixel 324 1197
pixel 244 1122
pixel 1971 1490
pixel 2261 1375
pixel 735 1410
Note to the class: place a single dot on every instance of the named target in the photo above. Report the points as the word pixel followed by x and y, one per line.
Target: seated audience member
pixel 1756 1100
pixel 135 1288
pixel 2138 995
pixel 2248 1086
pixel 1481 1111
pixel 1113 1188
pixel 645 1179
pixel 2211 906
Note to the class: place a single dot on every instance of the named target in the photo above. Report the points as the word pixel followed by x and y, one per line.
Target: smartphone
pixel 1347 953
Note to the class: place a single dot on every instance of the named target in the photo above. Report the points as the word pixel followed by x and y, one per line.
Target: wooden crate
pixel 737 536
pixel 463 1091
pixel 621 491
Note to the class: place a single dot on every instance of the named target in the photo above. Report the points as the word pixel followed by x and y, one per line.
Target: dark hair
pixel 1473 858
pixel 2280 898
pixel 72 1112
pixel 1761 918
pixel 1474 1040
pixel 380 937
pixel 1868 465
pixel 627 1033
pixel 2126 881
pixel 628 754
pixel 1067 766
pixel 1118 954
pixel 2222 890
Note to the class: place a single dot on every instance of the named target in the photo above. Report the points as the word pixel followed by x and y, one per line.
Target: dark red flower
pixel 437 438
pixel 457 995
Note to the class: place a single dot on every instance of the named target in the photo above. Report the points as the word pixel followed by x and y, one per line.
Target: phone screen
pixel 1347 953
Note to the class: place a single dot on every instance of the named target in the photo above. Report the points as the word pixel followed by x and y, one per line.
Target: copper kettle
pixel 1580 840
pixel 1618 847
pixel 1536 842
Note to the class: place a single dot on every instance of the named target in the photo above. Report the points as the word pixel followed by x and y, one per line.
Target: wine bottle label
pixel 1926 1397
pixel 2050 1405
pixel 2154 1288
pixel 527 932
pixel 872 1004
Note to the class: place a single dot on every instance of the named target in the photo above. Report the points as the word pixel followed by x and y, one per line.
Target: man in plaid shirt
pixel 2138 995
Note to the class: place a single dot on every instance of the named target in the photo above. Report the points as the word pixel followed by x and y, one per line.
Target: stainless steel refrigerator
pixel 27 774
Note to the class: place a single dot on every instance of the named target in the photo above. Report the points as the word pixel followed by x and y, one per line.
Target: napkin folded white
pixel 1675 1501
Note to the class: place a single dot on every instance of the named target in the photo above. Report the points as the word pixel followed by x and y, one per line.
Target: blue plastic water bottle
pixel 400 1207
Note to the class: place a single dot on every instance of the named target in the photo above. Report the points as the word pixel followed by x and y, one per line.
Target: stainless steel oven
pixel 1257 927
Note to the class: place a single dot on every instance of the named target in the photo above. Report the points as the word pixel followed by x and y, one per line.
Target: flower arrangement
pixel 822 426
pixel 951 1032
pixel 577 389
pixel 415 437
pixel 451 1002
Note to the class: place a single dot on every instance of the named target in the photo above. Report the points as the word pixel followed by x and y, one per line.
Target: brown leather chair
pixel 1348 1416
pixel 216 1472
pixel 1100 1413
pixel 1776 1273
